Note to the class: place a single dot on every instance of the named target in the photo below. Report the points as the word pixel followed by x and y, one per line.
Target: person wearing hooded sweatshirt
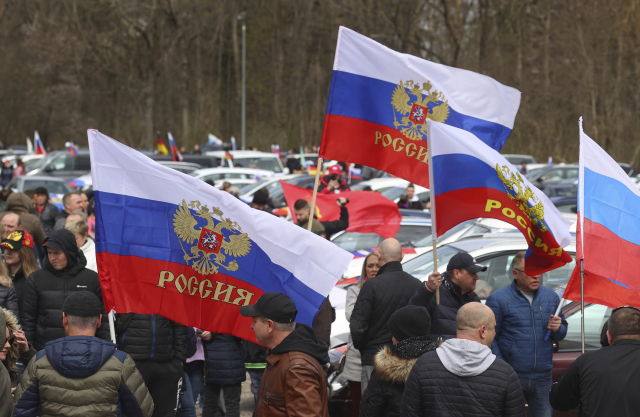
pixel 409 327
pixel 95 378
pixel 294 382
pixel 462 377
pixel 20 204
pixel 44 293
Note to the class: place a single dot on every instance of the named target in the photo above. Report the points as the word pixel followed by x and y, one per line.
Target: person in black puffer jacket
pixel 159 348
pixel 458 285
pixel 379 298
pixel 410 329
pixel 226 371
pixel 46 289
pixel 462 377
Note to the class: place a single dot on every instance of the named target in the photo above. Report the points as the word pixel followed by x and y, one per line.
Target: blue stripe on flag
pixel 134 226
pixel 369 99
pixel 458 171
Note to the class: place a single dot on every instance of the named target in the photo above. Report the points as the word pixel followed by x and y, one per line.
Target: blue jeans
pixel 197 384
pixel 187 405
pixel 536 392
pixel 256 377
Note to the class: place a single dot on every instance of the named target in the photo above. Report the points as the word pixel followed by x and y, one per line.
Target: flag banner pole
pixel 315 193
pixel 434 234
pixel 582 302
pixel 112 326
pixel 548 335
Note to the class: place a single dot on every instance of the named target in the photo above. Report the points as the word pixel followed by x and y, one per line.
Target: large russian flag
pixel 609 229
pixel 380 100
pixel 471 180
pixel 170 244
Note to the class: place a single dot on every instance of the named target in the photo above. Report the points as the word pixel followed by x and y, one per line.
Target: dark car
pixel 552 174
pixel 205 161
pixel 61 164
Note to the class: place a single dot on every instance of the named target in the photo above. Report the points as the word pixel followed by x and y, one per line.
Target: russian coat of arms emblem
pixel 525 199
pixel 210 247
pixel 414 104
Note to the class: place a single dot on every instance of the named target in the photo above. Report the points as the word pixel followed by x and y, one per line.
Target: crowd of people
pixel 415 349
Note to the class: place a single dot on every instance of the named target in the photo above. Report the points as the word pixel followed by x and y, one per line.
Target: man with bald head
pixel 463 377
pixel 379 298
pixel 11 223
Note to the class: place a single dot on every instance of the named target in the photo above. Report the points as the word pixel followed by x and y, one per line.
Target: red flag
pixel 598 289
pixel 369 212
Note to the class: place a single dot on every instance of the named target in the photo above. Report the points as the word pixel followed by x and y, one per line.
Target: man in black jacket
pixel 47 211
pixel 603 382
pixel 379 298
pixel 159 348
pixel 458 285
pixel 463 377
pixel 46 289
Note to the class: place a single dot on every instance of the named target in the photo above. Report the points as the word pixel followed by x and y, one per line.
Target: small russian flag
pixel 38 144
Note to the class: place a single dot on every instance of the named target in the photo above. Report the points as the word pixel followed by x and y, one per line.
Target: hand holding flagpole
pixel 548 335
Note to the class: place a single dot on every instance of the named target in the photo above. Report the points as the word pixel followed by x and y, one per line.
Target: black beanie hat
pixel 409 321
pixel 260 197
pixel 82 304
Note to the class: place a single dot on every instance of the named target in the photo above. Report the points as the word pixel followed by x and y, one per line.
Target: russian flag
pixel 72 148
pixel 169 244
pixel 608 230
pixel 380 100
pixel 471 180
pixel 40 150
pixel 175 153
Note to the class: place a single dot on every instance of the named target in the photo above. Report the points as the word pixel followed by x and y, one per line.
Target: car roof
pixel 221 170
pixel 42 178
pixel 242 154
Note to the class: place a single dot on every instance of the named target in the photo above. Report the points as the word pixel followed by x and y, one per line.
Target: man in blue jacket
pixel 524 312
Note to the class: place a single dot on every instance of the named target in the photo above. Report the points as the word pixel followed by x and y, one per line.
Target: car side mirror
pixel 540 179
pixel 556 346
pixel 48 168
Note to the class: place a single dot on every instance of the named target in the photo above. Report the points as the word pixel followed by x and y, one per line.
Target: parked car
pixel 517 160
pixel 184 167
pixel 30 161
pixel 552 174
pixel 380 184
pixel 270 183
pixel 251 159
pixel 62 164
pixel 205 161
pixel 565 204
pixel 239 177
pixel 57 187
pixel 630 170
pixel 276 193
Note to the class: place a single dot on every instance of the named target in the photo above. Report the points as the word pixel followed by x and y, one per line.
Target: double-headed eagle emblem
pixel 518 190
pixel 207 254
pixel 415 113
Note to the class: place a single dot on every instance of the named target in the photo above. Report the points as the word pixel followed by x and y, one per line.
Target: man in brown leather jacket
pixel 294 383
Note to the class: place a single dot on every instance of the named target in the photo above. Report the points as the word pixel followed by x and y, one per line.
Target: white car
pixel 240 177
pixel 270 183
pixel 251 159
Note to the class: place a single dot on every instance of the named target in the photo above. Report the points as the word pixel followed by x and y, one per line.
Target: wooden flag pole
pixel 315 193
pixel 434 234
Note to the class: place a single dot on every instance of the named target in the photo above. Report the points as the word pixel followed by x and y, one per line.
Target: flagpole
pixel 312 212
pixel 582 303
pixel 433 209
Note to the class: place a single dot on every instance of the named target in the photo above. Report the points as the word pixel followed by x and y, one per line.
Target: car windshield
pixel 534 173
pixel 394 192
pixel 255 186
pixel 422 265
pixel 266 163
pixel 32 164
pixel 353 241
pixel 422 243
pixel 53 187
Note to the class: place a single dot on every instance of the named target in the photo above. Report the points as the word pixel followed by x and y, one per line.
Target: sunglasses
pixel 11 339
pixel 618 308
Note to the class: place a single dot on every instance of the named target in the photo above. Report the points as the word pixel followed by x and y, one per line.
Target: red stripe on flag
pixel 378 146
pixel 455 207
pixel 189 298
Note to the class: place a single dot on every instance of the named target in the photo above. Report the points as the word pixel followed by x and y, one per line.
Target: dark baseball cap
pixel 275 306
pixel 463 260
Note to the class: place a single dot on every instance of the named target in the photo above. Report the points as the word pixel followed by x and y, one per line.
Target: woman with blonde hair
pixel 8 294
pixel 19 260
pixel 353 363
